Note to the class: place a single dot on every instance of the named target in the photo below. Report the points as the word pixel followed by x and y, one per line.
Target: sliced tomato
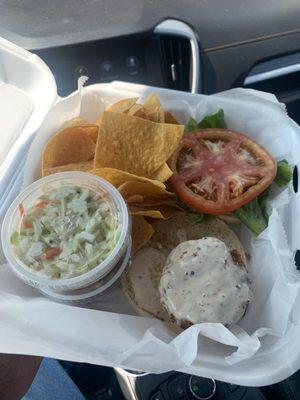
pixel 217 171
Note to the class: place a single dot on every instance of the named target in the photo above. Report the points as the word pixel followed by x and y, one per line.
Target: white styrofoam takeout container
pixel 278 360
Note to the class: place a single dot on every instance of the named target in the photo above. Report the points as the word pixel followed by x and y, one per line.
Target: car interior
pixel 194 46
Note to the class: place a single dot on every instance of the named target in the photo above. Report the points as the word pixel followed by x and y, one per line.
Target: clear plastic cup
pixel 29 196
pixel 96 290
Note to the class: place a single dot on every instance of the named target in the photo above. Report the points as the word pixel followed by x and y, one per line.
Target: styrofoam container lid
pixel 27 92
pixel 28 197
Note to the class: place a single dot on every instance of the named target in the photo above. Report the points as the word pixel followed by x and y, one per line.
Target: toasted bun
pixel 141 281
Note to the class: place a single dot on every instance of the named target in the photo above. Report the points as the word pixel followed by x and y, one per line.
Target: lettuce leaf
pixel 216 120
pixel 203 218
pixel 254 214
pixel 284 173
pixel 191 125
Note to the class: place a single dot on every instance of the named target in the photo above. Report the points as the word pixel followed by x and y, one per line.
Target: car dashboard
pixel 203 47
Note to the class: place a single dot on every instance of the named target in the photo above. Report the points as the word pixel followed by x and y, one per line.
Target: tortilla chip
pixel 84 167
pixel 145 189
pixel 163 173
pixel 99 119
pixel 152 100
pixel 169 119
pixel 159 200
pixel 75 122
pixel 122 106
pixel 151 202
pixel 92 132
pixel 151 113
pixel 136 198
pixel 151 110
pixel 134 144
pixel 161 212
pixel 141 232
pixel 135 108
pixel 71 145
pixel 148 213
pixel 117 177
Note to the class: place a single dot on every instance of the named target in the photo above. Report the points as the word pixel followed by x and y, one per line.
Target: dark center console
pixel 158 57
pixel 178 386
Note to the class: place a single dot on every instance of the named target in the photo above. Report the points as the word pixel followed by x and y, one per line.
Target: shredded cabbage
pixel 66 233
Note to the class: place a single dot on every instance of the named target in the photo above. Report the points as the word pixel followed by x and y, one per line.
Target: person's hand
pixel 16 375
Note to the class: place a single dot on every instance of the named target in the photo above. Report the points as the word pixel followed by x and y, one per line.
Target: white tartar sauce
pixel 202 283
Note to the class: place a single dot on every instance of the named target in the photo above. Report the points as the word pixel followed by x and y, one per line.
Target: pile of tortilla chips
pixel 129 146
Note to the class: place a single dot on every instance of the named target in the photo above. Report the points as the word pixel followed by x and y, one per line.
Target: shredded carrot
pixel 51 253
pixel 102 195
pixel 27 224
pixel 21 209
pixel 41 204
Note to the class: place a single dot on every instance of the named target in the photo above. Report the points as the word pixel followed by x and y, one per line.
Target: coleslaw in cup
pixel 66 231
